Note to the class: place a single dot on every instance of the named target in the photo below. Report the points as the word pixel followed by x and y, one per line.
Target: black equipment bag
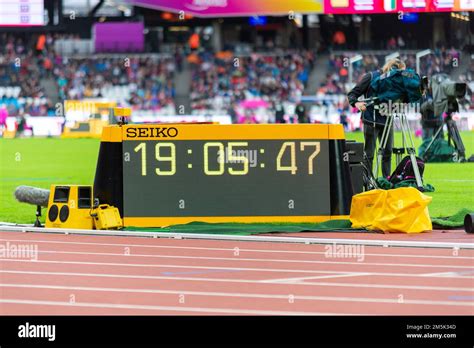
pixel 404 170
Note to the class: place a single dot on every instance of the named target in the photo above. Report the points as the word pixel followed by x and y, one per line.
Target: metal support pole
pixel 420 55
pixel 408 139
pixel 353 60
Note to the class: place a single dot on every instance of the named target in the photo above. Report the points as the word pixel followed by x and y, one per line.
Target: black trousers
pixel 371 134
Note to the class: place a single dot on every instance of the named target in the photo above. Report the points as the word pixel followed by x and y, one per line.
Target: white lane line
pixel 161 308
pixel 450 274
pixel 170 266
pixel 251 269
pixel 244 295
pixel 251 238
pixel 219 280
pixel 257 260
pixel 300 279
pixel 231 249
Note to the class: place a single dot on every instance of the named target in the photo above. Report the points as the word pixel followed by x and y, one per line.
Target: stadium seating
pixel 219 82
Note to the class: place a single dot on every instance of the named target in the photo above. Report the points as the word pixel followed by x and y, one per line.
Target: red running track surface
pixel 98 275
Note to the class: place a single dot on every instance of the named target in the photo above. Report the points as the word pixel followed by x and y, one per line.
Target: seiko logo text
pixel 152 132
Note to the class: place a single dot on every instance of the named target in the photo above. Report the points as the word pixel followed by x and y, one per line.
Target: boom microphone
pixel 32 195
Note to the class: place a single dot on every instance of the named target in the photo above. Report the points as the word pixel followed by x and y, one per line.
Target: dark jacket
pixel 371 115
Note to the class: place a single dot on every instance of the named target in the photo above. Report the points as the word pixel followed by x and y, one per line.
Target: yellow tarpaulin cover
pixel 403 209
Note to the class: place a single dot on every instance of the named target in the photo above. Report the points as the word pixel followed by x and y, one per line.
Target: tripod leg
pixel 428 148
pixel 409 136
pixel 411 150
pixel 38 214
pixel 369 182
pixel 457 140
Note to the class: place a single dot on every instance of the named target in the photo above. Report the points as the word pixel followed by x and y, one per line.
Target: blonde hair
pixel 393 63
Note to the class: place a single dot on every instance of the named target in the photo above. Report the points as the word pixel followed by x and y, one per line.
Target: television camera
pixel 438 111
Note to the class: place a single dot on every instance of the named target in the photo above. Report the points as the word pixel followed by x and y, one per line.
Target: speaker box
pixel 356 157
pixel 69 206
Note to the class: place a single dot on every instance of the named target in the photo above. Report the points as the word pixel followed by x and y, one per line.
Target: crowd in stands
pixel 149 80
pixel 222 80
pixel 25 62
pixel 336 82
pixel 21 66
pixel 468 78
pixel 442 60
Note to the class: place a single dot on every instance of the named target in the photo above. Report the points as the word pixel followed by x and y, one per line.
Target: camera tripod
pixel 408 145
pixel 453 137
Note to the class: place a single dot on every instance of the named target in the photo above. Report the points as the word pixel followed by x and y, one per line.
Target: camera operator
pixel 429 122
pixel 374 122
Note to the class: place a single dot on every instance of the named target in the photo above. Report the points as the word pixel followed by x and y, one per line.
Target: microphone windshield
pixel 32 195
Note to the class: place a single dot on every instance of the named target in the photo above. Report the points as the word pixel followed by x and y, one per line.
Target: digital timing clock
pixel 163 174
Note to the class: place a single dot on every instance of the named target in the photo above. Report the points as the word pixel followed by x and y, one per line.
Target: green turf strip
pixel 454 221
pixel 244 229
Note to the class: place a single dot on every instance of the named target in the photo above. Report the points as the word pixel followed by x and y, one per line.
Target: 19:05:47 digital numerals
pixel 240 161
